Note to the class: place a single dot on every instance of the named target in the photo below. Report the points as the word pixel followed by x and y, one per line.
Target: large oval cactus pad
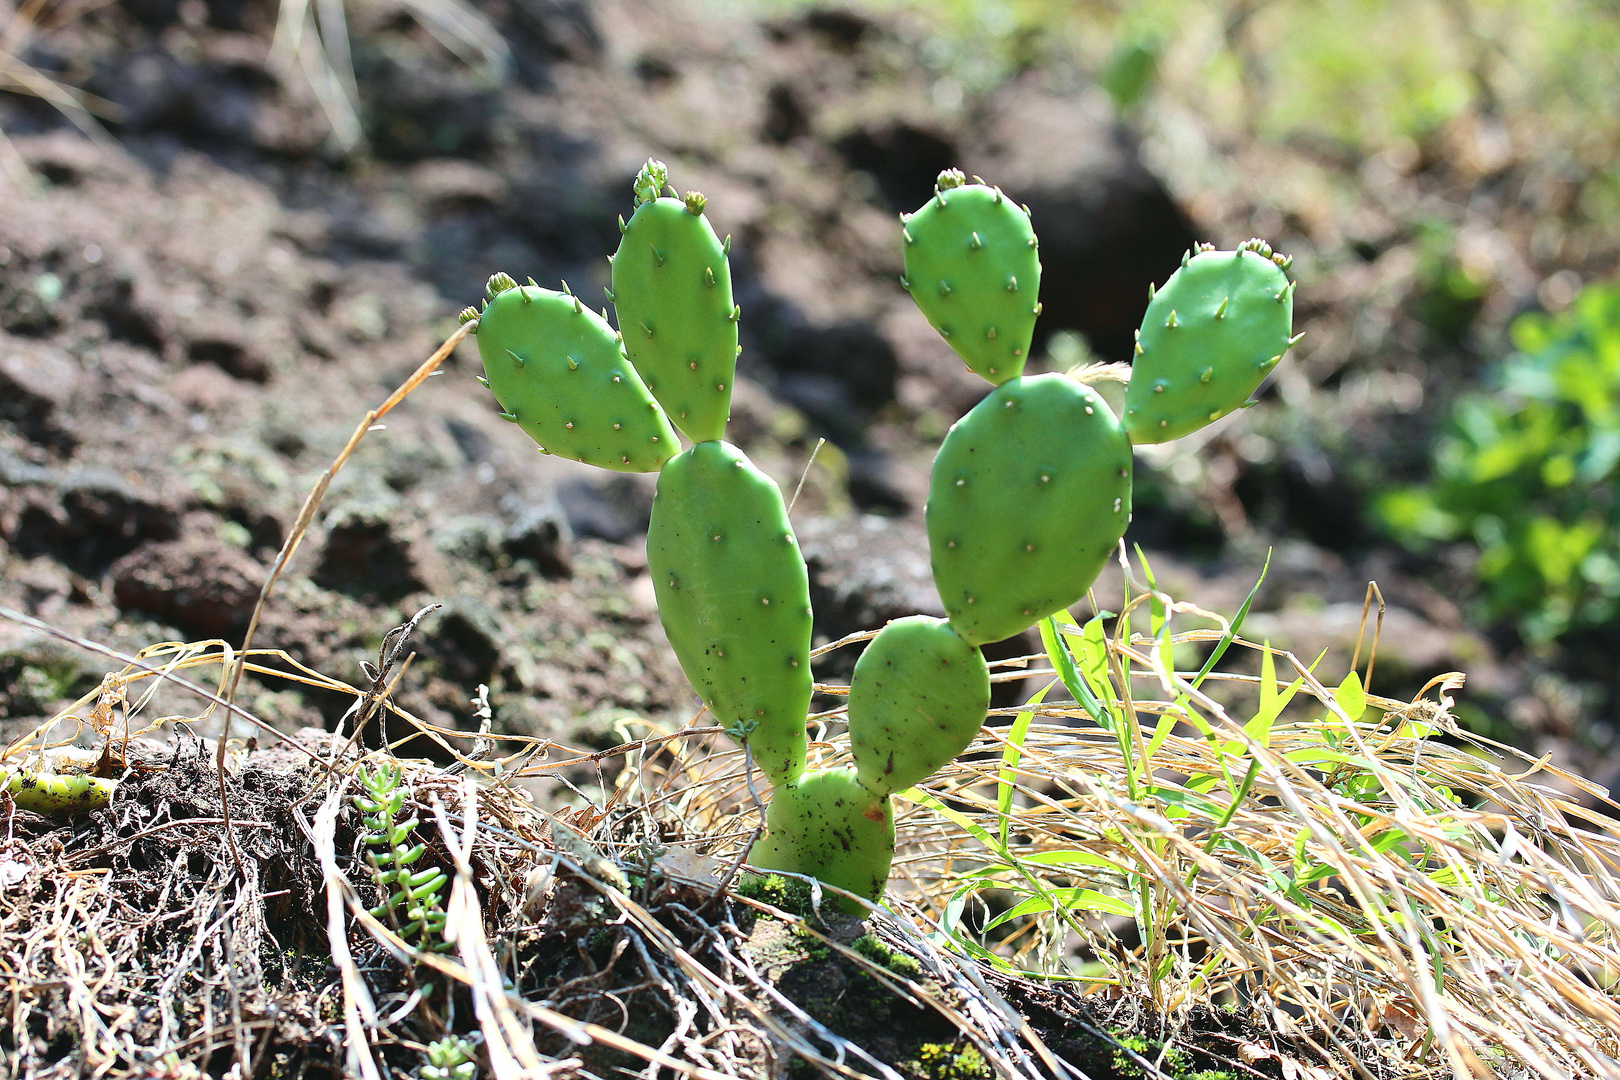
pixel 1210 337
pixel 1030 492
pixel 973 269
pixel 829 825
pixel 734 598
pixel 558 371
pixel 917 698
pixel 672 294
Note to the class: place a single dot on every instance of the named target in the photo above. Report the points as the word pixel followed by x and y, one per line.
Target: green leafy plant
pixel 411 903
pixel 1029 497
pixel 1526 472
pixel 450 1058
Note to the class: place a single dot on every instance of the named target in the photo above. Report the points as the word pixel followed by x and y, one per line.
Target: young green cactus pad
pixel 559 372
pixel 918 696
pixel 734 597
pixel 57 793
pixel 672 294
pixel 1030 492
pixel 1210 336
pixel 972 267
pixel 828 824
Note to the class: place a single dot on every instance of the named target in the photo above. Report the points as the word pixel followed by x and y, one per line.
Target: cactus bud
pixel 650 181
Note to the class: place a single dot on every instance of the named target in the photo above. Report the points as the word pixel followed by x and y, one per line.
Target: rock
pixel 196 585
pixel 368 554
pixel 92 518
pixel 226 343
pixel 866 571
pixel 465 640
pixel 538 529
pixel 37 383
pixel 614 508
pixel 39 675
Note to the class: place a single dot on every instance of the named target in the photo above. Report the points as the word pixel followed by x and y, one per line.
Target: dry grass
pixel 1355 873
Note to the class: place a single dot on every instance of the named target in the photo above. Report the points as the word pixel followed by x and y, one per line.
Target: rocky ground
pixel 197 308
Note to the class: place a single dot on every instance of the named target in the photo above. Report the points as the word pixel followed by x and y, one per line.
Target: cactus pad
pixel 672 294
pixel 829 825
pixel 918 696
pixel 1030 492
pixel 734 597
pixel 1210 337
pixel 559 373
pixel 972 267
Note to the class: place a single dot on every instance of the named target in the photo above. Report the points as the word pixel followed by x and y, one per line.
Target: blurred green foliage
pixel 1358 72
pixel 1527 471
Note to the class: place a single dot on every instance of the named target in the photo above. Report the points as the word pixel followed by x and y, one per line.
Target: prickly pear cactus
pixel 672 294
pixel 559 373
pixel 917 698
pixel 1210 337
pixel 830 825
pixel 1029 494
pixel 734 598
pixel 973 269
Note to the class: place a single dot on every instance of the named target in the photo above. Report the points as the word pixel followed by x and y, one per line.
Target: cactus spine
pixel 1030 492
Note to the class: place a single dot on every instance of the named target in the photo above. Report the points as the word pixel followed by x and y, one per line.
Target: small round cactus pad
pixel 559 373
pixel 1029 494
pixel 1210 337
pixel 972 267
pixel 917 698
pixel 830 825
pixel 672 294
pixel 734 597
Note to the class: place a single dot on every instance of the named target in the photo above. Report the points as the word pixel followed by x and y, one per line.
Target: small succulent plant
pixel 1029 496
pixel 411 902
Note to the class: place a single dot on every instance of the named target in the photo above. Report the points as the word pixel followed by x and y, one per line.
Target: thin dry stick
pixel 305 516
pixel 805 475
pixel 1378 630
